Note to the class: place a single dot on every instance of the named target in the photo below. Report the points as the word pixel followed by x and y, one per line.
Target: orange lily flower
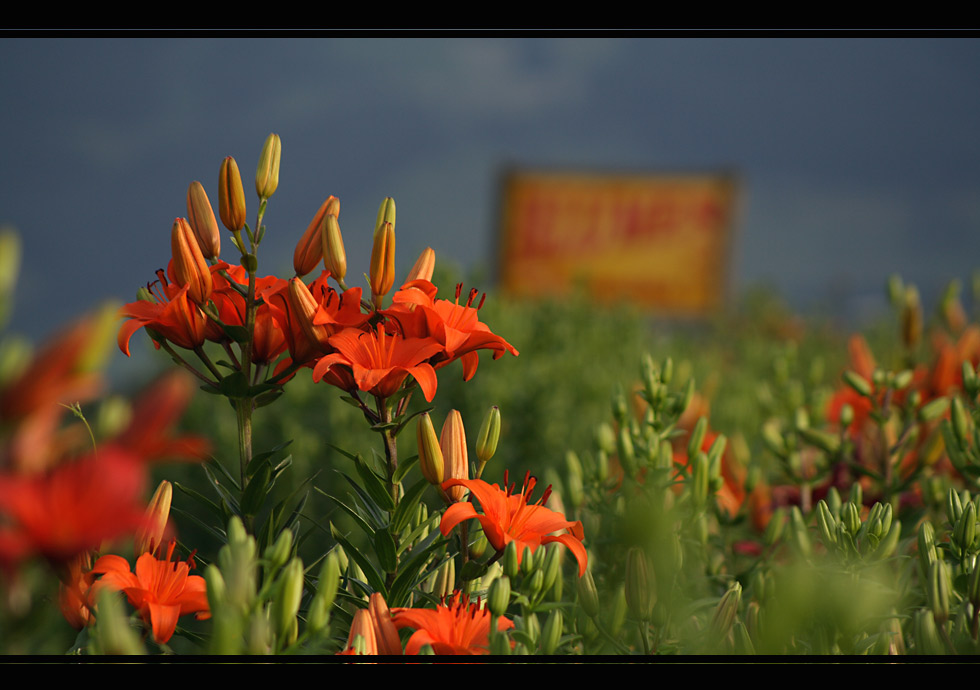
pixel 161 590
pixel 457 327
pixel 73 592
pixel 507 517
pixel 173 315
pixel 461 627
pixel 380 362
pixel 268 341
pixel 74 507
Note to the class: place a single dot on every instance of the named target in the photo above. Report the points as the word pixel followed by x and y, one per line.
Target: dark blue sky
pixel 857 157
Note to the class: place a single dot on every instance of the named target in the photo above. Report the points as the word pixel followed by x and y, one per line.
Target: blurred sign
pixel 661 241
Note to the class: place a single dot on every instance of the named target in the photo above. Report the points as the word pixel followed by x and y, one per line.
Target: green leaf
pixel 378 516
pixel 221 490
pixel 370 572
pixel 404 466
pixel 350 401
pixel 374 487
pixel 237 333
pixel 234 385
pixel 406 507
pixel 361 522
pixel 267 398
pixel 432 523
pixel 402 421
pixel 219 535
pixel 203 500
pixel 472 570
pixel 409 569
pixel 272 456
pixel 384 546
pixel 256 491
pixel 226 364
pixel 523 638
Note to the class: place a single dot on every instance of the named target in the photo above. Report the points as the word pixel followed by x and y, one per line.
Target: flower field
pixel 325 466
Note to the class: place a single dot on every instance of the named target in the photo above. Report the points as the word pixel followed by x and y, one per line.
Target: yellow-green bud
pixel 933 410
pixel 858 383
pixel 552 567
pixel 329 579
pixel 888 544
pixel 588 595
pixel 290 595
pixel 478 542
pixel 954 506
pixel 697 437
pixel 640 593
pixel 851 517
pixel 827 524
pixel 624 448
pixel 959 418
pixel 726 611
pixel 382 276
pixel 965 530
pixel 278 553
pixel 846 415
pixel 827 442
pixel 318 614
pixel 700 478
pixel 801 538
pixel 498 598
pixel 431 460
pixel 334 255
pixel 551 632
pixel 925 634
pixel 386 214
pixel 486 440
pixel 511 565
pixel 216 590
pixel 267 173
pixel 937 591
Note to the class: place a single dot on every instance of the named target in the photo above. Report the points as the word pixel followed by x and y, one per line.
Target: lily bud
pixel 424 266
pixel 363 627
pixel 640 595
pixel 383 261
pixel 303 306
pixel 200 215
pixel 386 214
pixel 267 174
pixel 431 460
pixel 911 317
pixel 309 249
pixel 332 247
pixel 486 440
pixel 189 264
pixel 498 597
pixel 453 444
pixel 551 632
pixel 727 610
pixel 231 195
pixel 150 535
pixel 588 595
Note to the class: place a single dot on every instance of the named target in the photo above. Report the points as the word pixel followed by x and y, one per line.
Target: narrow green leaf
pixel 403 420
pixel 200 498
pixel 256 491
pixel 375 488
pixel 221 490
pixel 361 522
pixel 384 545
pixel 370 572
pixel 404 466
pixel 406 507
pixel 234 385
pixel 237 333
pixel 378 516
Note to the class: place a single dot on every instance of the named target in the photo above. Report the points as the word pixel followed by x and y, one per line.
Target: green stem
pixel 391 455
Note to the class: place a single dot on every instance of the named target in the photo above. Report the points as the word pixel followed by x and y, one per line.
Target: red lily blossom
pixel 74 507
pixel 380 362
pixel 268 340
pixel 461 627
pixel 457 327
pixel 507 517
pixel 162 591
pixel 173 315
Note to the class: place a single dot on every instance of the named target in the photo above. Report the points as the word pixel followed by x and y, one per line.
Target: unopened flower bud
pixel 624 448
pixel 431 460
pixel 303 307
pixel 382 275
pixel 278 552
pixel 150 535
pixel 726 611
pixel 551 632
pixel 290 595
pixel 640 594
pixel 857 382
pixel 190 268
pixel 933 410
pixel 801 539
pixel 937 591
pixel 697 437
pixel 231 196
pixel 965 530
pixel 552 567
pixel 510 561
pixel 925 634
pixel 329 580
pixel 424 266
pixel 588 595
pixel 386 214
pixel 200 215
pixel 486 440
pixel 309 249
pixel 453 444
pixel 332 246
pixel 267 174
pixel 827 524
pixel 498 597
pixel 911 317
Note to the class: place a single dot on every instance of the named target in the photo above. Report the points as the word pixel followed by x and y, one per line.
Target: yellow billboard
pixel 661 241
